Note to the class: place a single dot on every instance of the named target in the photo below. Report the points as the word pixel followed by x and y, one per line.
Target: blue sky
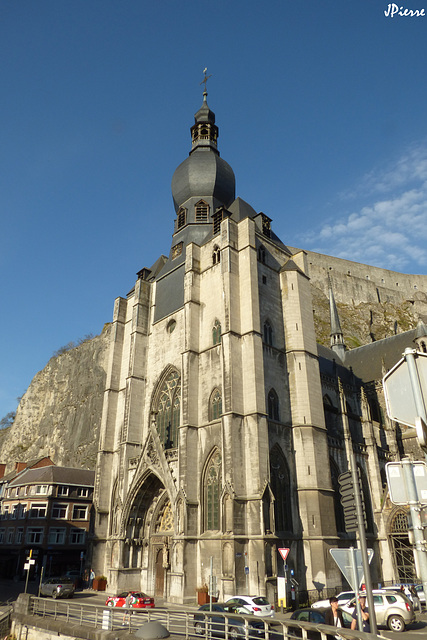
pixel 321 108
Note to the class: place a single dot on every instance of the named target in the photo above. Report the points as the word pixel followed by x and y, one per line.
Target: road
pixel 10 590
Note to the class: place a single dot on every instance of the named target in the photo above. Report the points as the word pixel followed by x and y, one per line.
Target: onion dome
pixel 204 174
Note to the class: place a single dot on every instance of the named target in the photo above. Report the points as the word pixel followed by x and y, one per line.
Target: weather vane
pixel 205 79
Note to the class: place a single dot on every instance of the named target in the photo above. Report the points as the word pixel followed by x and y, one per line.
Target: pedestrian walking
pixel 127 605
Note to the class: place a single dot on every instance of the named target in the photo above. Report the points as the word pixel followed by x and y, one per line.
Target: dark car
pixel 216 624
pixel 57 588
pixel 314 616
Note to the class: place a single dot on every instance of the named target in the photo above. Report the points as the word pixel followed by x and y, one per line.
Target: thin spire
pixel 204 81
pixel 337 337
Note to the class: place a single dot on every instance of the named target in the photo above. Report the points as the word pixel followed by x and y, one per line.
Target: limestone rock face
pixel 60 414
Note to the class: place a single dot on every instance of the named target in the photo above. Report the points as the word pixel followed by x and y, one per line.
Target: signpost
pixel 405 390
pixel 350 564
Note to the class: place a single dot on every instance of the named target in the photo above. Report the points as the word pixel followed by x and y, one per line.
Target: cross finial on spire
pixel 204 81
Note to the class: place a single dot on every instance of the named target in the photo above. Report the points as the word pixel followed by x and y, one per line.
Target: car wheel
pixel 110 604
pixel 54 595
pixel 199 628
pixel 234 633
pixel 396 623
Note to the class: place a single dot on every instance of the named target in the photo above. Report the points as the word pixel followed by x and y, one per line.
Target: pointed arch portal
pixel 148 529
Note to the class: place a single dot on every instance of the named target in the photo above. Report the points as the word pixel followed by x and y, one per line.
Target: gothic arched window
pixel 339 512
pixel 168 410
pixel 216 333
pixel 281 488
pixel 273 405
pixel 216 255
pixel 268 333
pixel 212 492
pixel 215 405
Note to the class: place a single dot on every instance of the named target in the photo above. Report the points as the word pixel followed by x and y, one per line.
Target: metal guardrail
pixel 182 623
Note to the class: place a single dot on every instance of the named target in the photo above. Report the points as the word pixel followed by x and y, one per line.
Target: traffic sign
pixel 397 484
pixel 283 553
pixel 343 558
pixel 398 390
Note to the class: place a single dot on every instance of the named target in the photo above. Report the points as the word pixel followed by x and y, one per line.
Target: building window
pixel 181 217
pixel 266 225
pixel 63 490
pixel 77 536
pixel 281 488
pixel 216 333
pixel 83 492
pixel 38 510
pixel 273 405
pixel 59 511
pixel 217 219
pixel 41 489
pixel 79 512
pixel 19 535
pixel 202 211
pixel 10 535
pixel 56 535
pixel 261 254
pixel 268 333
pixel 2 535
pixel 215 405
pixel 168 411
pixel 216 255
pixel 19 511
pixel 34 535
pixel 213 493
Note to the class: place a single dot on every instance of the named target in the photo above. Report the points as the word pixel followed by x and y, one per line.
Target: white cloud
pixel 388 227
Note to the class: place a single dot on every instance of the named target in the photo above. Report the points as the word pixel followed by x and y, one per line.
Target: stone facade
pixel 225 425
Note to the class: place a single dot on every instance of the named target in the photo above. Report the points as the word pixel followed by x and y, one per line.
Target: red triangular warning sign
pixel 283 553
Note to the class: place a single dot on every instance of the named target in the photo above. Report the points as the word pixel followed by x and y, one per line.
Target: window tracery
pixel 168 411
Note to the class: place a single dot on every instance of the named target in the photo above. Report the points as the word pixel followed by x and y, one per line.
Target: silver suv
pixel 57 588
pixel 392 610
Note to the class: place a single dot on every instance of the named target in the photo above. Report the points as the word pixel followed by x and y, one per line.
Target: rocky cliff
pixel 60 414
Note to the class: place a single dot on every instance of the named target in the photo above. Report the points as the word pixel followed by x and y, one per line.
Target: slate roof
pixel 55 475
pixel 367 361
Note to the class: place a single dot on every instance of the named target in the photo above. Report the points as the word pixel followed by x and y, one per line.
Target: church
pixel 225 424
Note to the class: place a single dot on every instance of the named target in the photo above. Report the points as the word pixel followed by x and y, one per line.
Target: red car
pixel 140 600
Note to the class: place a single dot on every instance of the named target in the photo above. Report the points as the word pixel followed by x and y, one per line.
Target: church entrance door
pixel 159 572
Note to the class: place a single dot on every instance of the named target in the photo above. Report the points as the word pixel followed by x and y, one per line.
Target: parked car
pixel 420 593
pixel 257 605
pixel 57 588
pixel 392 609
pixel 315 616
pixel 343 598
pixel 140 600
pixel 216 624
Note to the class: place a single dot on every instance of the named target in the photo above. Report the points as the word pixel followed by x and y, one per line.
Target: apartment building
pixel 45 511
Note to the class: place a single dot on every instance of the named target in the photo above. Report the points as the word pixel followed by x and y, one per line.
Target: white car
pixel 343 598
pixel 257 605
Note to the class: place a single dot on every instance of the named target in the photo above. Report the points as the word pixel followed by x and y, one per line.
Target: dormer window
pixel 266 225
pixel 181 218
pixel 202 211
pixel 217 219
